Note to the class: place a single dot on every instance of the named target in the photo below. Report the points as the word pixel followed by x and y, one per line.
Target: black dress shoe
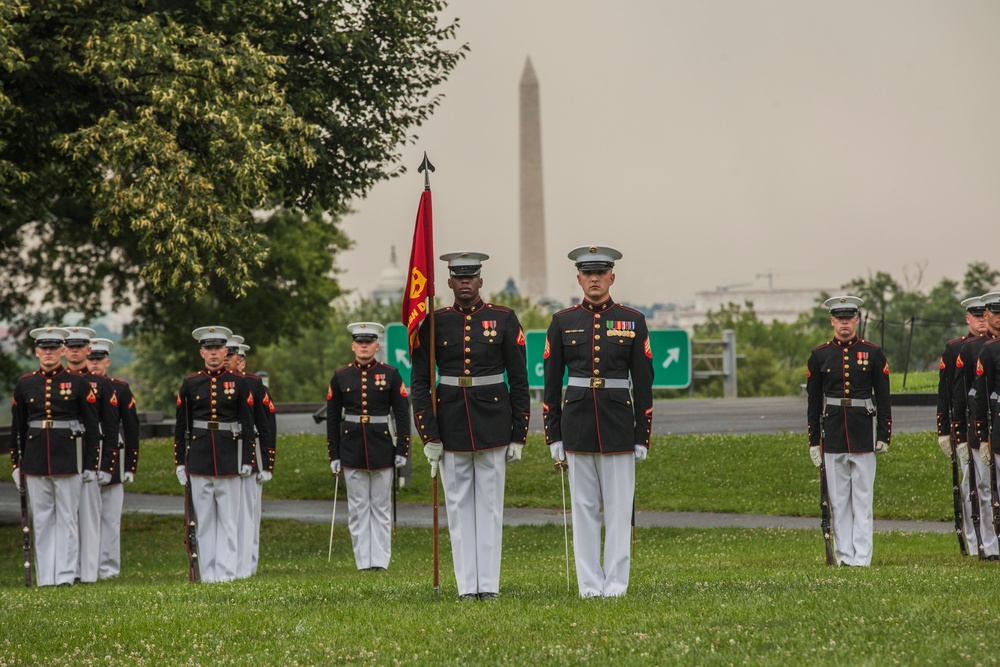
pixel 468 597
pixel 488 596
pixel 377 569
pixel 993 558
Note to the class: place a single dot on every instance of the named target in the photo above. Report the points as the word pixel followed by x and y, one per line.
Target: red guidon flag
pixel 420 277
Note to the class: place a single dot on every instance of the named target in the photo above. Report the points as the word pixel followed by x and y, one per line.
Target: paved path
pixel 420 516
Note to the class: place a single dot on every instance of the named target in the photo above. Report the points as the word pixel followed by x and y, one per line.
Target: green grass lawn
pixel 757 474
pixel 917 382
pixel 697 597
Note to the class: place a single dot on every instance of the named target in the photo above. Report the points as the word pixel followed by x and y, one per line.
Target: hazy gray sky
pixel 714 141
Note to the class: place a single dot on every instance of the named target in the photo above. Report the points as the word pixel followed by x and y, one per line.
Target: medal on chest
pixel 489 328
pixel 621 328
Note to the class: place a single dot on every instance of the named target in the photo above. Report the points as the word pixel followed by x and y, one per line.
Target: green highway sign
pixel 397 349
pixel 671 356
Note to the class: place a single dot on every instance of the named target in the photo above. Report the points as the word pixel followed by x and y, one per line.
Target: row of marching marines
pixel 966 417
pixel 75 444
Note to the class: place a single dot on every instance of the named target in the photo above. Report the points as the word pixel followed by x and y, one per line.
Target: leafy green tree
pixel 159 154
pixel 979 279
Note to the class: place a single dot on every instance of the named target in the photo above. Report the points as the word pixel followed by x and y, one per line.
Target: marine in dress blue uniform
pixel 55 418
pixel 217 406
pixel 481 421
pixel 122 461
pixel 265 445
pixel 77 347
pixel 976 321
pixel 985 394
pixel 964 417
pixel 847 382
pixel 366 401
pixel 602 425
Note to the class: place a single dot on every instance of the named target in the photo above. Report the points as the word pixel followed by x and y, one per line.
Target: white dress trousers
pixel 90 531
pixel 112 497
pixel 985 507
pixel 55 520
pixel 217 508
pixel 248 529
pixel 369 516
pixel 851 481
pixel 473 492
pixel 596 480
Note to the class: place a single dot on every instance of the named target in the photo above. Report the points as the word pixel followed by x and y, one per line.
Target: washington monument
pixel 534 275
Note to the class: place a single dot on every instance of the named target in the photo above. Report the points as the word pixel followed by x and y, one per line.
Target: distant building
pixel 391 282
pixel 771 305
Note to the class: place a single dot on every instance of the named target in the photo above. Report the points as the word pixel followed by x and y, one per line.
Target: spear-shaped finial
pixel 427 168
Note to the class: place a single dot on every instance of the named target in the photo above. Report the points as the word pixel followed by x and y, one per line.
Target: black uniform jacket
pixel 265 422
pixel 107 408
pixel 848 371
pixel 946 373
pixel 128 443
pixel 215 396
pixel 963 406
pixel 481 340
pixel 603 341
pixel 372 390
pixel 985 399
pixel 58 396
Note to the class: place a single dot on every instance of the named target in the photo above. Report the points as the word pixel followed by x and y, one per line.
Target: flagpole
pixel 427 168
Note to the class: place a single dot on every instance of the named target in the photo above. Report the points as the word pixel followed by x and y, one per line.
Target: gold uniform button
pixel 467 339
pixel 468 317
pixel 468 349
pixel 597 360
pixel 468 361
pixel 468 372
pixel 597 326
pixel 847 391
pixel 597 372
pixel 364 402
pixel 364 394
pixel 468 329
pixel 597 336
pixel 597 316
pixel 597 348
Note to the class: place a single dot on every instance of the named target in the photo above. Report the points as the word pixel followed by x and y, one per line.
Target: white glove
pixel 881 447
pixel 557 451
pixel 985 454
pixel 816 457
pixel 182 476
pixel 88 476
pixel 103 478
pixel 16 475
pixel 399 461
pixel 263 477
pixel 514 452
pixel 433 451
pixel 245 470
pixel 640 452
pixel 128 478
pixel 434 469
pixel 335 466
pixel 944 442
pixel 962 452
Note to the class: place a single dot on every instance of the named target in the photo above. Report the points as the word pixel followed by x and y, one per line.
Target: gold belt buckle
pixel 464 382
pixel 48 423
pixel 364 419
pixel 597 383
pixel 846 402
pixel 212 426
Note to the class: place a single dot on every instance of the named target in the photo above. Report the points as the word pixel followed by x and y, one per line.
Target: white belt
pixel 52 423
pixel 235 427
pixel 367 419
pixel 849 402
pixel 598 383
pixel 463 381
